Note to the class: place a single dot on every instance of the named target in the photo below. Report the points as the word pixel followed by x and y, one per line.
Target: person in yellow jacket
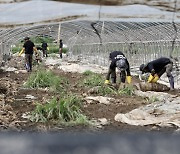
pixel 118 60
pixel 157 68
pixel 29 49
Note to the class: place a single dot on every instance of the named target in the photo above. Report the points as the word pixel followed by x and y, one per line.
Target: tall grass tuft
pixel 43 79
pixel 67 109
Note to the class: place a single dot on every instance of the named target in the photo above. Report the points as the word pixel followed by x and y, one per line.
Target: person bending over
pixel 157 68
pixel 118 60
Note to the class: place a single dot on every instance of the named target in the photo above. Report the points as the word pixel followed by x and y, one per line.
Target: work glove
pixel 156 77
pixel 106 82
pixel 48 48
pixel 128 78
pixel 21 52
pixel 150 78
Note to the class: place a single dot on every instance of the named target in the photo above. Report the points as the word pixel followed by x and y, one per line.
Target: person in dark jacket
pixel 157 68
pixel 44 49
pixel 28 48
pixel 118 60
pixel 60 48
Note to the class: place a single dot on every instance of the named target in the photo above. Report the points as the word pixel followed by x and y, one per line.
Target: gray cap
pixel 121 64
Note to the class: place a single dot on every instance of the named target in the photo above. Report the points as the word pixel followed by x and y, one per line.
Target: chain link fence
pixel 137 53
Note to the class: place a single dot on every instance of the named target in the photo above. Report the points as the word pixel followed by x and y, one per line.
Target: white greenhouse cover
pixel 38 11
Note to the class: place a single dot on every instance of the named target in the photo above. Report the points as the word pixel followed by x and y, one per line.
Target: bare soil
pixel 15 105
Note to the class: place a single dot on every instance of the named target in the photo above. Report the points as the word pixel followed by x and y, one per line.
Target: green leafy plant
pixel 40 39
pixel 87 73
pixel 55 49
pixel 67 109
pixel 152 99
pixel 16 49
pixel 93 80
pixel 105 90
pixel 43 79
pixel 96 80
pixel 127 90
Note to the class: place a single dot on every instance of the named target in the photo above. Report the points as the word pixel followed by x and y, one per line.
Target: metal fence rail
pixel 136 52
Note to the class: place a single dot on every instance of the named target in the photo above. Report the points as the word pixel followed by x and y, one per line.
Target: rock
pixel 94 90
pixel 103 121
pixel 99 99
pixel 30 97
pixel 144 86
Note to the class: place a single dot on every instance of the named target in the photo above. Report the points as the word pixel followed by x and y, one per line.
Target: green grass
pixel 40 39
pixel 52 49
pixel 87 73
pixel 92 79
pixel 43 79
pixel 96 80
pixel 55 49
pixel 64 110
pixel 128 90
pixel 106 90
pixel 16 49
pixel 152 99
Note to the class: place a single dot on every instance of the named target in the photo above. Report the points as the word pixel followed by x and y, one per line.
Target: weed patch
pixel 92 80
pixel 67 109
pixel 128 90
pixel 105 90
pixel 152 99
pixel 88 73
pixel 43 79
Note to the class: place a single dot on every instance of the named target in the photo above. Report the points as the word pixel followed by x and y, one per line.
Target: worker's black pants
pixel 28 61
pixel 112 74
